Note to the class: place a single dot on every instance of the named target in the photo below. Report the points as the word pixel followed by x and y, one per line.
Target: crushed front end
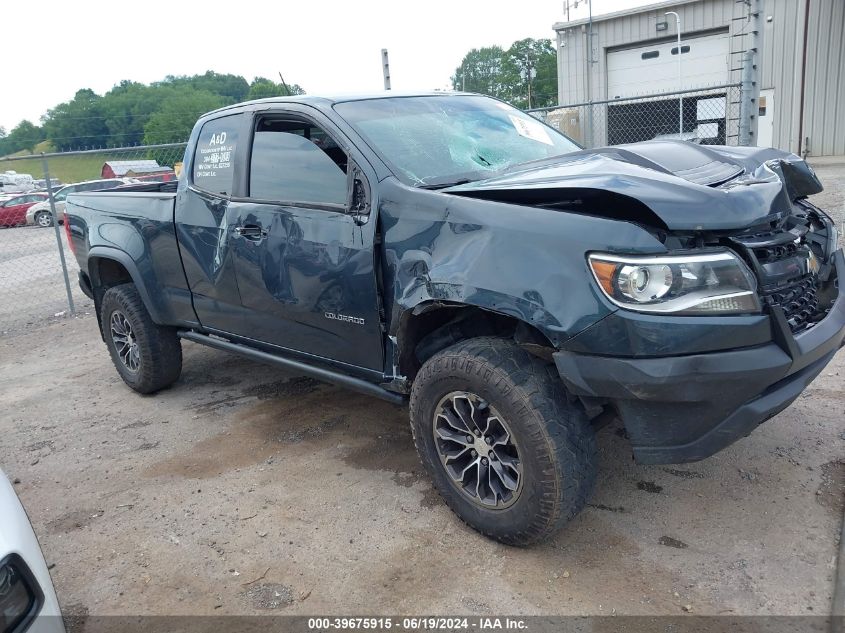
pixel 688 385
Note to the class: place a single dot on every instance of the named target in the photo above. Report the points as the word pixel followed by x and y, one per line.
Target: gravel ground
pixel 247 490
pixel 242 482
pixel 831 171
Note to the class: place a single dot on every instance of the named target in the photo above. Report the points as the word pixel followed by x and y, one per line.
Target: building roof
pixel 121 167
pixel 666 4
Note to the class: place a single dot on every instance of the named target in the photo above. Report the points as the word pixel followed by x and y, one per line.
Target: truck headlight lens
pixel 705 283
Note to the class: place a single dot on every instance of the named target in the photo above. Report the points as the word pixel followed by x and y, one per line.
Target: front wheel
pixel 506 449
pixel 147 356
pixel 44 219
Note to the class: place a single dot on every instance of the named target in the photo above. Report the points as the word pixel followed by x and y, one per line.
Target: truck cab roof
pixel 326 101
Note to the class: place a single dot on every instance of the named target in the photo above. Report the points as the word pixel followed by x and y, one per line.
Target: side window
pixel 214 160
pixel 64 193
pixel 296 161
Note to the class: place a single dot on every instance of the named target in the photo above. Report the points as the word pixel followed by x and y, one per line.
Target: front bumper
pixel 684 408
pixel 30 213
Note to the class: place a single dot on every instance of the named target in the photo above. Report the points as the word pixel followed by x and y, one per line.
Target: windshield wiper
pixel 444 185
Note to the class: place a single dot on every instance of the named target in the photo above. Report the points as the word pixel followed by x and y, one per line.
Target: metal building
pixel 788 56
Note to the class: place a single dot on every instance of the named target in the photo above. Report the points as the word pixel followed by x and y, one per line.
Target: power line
pixel 74 138
pixel 129 116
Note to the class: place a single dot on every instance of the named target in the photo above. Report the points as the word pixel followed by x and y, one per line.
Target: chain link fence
pixel 707 116
pixel 33 245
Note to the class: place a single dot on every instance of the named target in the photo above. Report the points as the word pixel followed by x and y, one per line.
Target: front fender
pixel 524 262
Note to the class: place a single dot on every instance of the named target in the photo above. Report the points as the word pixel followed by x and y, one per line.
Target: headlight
pixel 706 283
pixel 20 596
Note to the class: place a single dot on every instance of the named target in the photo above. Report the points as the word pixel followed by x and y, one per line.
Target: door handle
pixel 251 232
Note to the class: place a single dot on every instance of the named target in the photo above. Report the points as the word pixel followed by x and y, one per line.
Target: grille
pixel 799 303
pixel 774 252
pixel 783 279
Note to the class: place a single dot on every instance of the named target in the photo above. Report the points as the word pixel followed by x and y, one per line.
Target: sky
pixel 56 47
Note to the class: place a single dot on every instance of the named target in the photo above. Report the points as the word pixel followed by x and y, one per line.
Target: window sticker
pixel 215 155
pixel 531 129
pixel 213 164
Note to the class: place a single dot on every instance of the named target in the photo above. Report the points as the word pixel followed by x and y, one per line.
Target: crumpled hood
pixel 680 185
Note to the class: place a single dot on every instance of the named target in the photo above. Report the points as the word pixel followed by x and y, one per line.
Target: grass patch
pixel 65 168
pixel 78 167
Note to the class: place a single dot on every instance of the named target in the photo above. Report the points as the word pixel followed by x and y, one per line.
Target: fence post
pixel 749 91
pixel 745 100
pixel 58 233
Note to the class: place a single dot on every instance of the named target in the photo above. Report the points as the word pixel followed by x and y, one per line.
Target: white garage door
pixel 650 69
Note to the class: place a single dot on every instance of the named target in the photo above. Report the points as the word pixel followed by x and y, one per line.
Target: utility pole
pixel 680 78
pixel 590 69
pixel 385 68
pixel 749 92
pixel 588 56
pixel 529 72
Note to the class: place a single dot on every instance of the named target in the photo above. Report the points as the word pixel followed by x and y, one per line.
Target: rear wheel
pixel 506 449
pixel 147 356
pixel 44 218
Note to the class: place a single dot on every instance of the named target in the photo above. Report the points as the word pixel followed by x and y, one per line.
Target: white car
pixel 40 213
pixel 27 599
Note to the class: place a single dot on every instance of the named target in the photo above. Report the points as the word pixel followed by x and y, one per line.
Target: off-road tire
pixel 159 349
pixel 47 216
pixel 557 445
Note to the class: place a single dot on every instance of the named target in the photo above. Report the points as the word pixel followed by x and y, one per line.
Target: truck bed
pixel 133 225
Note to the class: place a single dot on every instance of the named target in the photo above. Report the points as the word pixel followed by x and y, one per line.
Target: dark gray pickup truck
pixel 519 291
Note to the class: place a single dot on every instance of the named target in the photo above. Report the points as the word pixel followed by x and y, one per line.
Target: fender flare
pixel 124 259
pixel 525 332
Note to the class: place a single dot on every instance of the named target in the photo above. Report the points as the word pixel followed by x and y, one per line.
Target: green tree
pixel 78 123
pixel 261 88
pixel 232 88
pixel 24 136
pixel 483 70
pixel 127 108
pixel 528 66
pixel 175 118
pixel 132 113
pixel 535 65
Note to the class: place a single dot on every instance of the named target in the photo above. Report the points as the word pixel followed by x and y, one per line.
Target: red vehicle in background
pixel 13 210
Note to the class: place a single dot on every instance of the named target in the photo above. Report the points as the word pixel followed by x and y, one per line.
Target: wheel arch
pixel 432 326
pixel 108 267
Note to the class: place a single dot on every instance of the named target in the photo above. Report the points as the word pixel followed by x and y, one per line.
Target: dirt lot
pixel 244 489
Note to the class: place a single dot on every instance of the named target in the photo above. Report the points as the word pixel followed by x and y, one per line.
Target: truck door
pixel 305 265
pixel 204 223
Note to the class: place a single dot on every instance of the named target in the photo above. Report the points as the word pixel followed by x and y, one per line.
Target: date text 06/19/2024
pixel 416 623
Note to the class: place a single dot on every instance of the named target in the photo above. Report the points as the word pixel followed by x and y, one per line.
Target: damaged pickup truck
pixel 518 291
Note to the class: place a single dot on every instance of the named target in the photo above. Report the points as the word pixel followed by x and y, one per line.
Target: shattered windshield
pixel 442 140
